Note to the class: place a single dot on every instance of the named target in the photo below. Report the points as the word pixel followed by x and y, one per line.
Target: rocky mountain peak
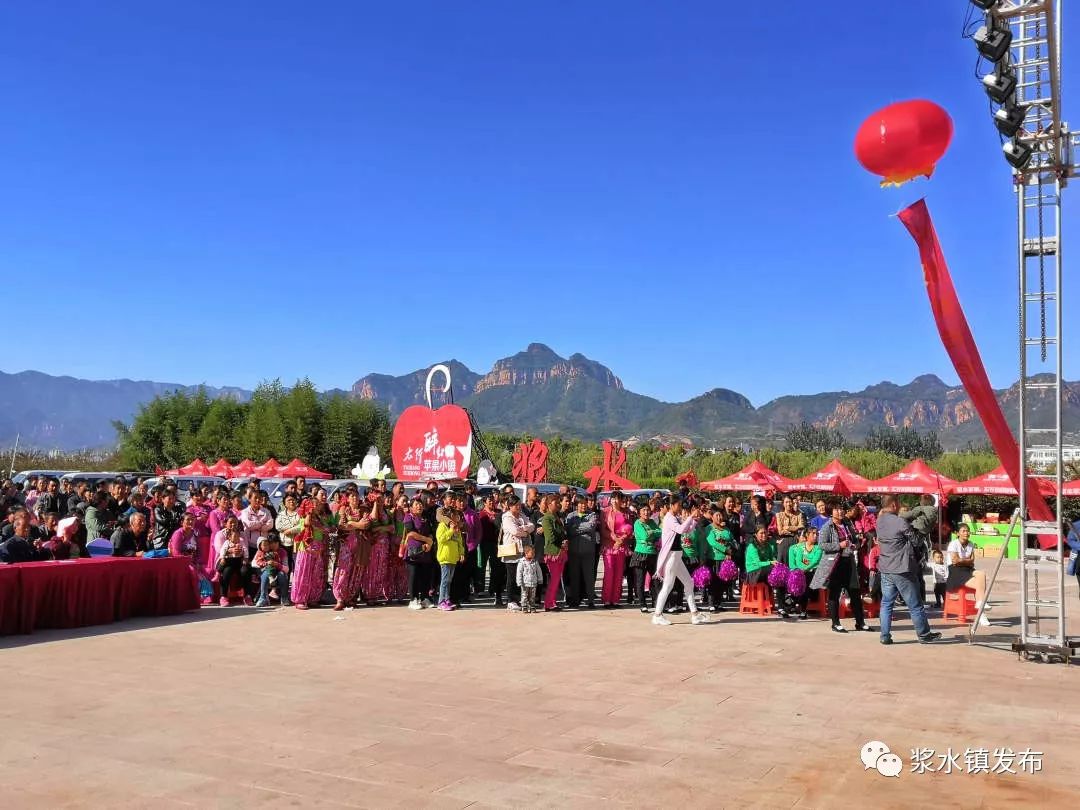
pixel 539 364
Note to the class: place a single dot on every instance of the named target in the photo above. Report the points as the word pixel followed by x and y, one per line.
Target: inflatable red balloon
pixel 904 140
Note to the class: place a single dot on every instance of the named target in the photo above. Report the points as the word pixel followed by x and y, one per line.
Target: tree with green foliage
pixel 905 442
pixel 813 438
pixel 336 443
pixel 219 435
pixel 333 435
pixel 301 415
pixel 263 432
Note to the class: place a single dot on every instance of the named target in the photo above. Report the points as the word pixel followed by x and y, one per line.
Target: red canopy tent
pixel 297 467
pixel 833 477
pixel 271 468
pixel 1071 489
pixel 916 478
pixel 996 482
pixel 197 467
pixel 754 475
pixel 245 467
pixel 221 468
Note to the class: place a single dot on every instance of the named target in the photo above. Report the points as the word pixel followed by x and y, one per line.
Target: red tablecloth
pixel 10 579
pixel 94 591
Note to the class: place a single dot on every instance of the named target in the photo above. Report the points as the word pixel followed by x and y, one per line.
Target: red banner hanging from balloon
pixel 956 336
pixel 530 462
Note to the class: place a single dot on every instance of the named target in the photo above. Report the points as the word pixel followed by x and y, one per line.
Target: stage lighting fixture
pixel 1001 84
pixel 1009 119
pixel 985 5
pixel 1017 154
pixel 993 43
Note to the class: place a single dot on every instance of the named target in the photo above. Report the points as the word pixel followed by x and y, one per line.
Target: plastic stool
pixel 958 605
pixel 755 599
pixel 871 610
pixel 819 603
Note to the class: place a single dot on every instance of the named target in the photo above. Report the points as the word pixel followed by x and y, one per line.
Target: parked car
pixel 267 485
pixel 541 488
pixel 20 477
pixel 335 485
pixel 91 478
pixel 275 487
pixel 185 483
pixel 636 496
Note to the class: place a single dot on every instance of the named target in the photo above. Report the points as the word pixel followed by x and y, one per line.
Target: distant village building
pixel 1046 457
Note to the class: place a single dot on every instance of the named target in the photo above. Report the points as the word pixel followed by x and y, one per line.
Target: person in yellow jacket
pixel 450 550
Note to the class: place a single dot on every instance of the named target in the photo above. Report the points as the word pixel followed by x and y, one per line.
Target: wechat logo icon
pixel 876 754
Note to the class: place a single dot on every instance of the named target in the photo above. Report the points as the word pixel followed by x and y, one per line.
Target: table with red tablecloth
pixel 78 593
pixel 9 599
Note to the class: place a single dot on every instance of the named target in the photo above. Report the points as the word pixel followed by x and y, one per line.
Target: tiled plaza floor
pixel 387 707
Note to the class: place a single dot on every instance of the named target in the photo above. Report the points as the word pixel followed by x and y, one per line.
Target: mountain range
pixel 539 392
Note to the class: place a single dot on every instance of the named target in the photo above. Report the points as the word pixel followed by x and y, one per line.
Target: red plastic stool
pixel 871 610
pixel 958 605
pixel 755 599
pixel 819 603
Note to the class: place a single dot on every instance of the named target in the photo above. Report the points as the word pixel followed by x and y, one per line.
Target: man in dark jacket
pixel 582 537
pixel 20 548
pixel 50 500
pixel 900 570
pixel 167 516
pixel 81 495
pixel 129 539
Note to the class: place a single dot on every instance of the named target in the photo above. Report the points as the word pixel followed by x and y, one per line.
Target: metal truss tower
pixel 1034 58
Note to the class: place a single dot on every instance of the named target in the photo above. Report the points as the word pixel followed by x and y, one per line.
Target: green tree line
pixel 652 466
pixel 331 433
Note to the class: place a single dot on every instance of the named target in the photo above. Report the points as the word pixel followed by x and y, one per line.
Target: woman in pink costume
pixel 616 531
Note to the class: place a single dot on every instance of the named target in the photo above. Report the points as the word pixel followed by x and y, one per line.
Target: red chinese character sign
pixel 607 475
pixel 432 443
pixel 530 462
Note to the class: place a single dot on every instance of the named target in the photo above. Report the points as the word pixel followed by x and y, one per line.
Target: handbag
pixel 505 550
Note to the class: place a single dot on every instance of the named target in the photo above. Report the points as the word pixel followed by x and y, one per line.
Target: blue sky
pixel 228 192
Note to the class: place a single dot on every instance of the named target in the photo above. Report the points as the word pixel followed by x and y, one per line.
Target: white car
pixel 185 483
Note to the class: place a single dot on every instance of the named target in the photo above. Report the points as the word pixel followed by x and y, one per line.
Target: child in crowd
pixel 941 575
pixel 449 551
pixel 529 577
pixel 232 563
pixel 272 564
pixel 872 564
